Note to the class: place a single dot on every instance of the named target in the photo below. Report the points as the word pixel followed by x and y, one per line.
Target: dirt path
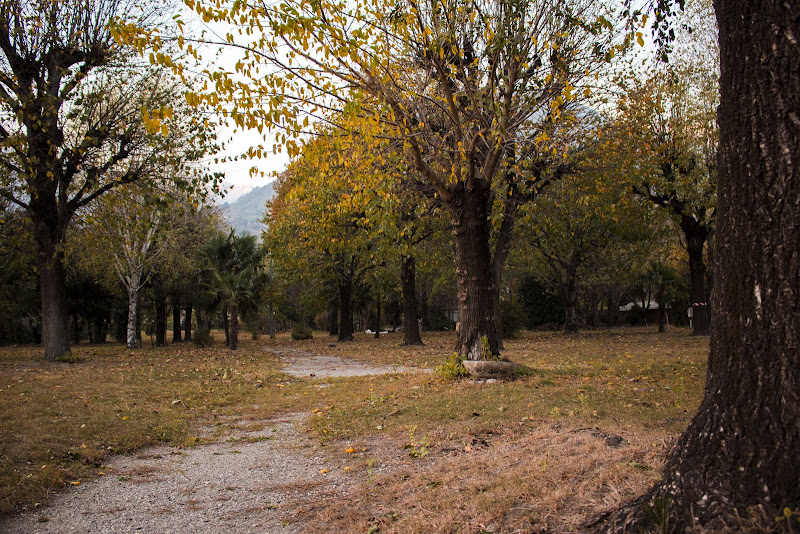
pixel 249 479
pixel 309 365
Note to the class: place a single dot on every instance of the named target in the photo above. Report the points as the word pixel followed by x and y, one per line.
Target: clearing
pixel 294 436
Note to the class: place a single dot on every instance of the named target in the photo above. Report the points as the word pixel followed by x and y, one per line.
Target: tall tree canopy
pixel 72 125
pixel 477 92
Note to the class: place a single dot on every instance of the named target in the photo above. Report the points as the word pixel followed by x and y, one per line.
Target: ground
pixel 282 437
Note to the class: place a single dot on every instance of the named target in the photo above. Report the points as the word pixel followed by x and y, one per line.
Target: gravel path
pixel 306 364
pixel 243 482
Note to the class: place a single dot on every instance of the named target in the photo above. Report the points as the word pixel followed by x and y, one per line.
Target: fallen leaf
pixel 350 450
pixel 76 482
pixel 324 470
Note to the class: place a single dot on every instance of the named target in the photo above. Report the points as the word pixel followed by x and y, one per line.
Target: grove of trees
pixel 476 158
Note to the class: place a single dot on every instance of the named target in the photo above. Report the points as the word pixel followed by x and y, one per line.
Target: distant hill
pixel 246 212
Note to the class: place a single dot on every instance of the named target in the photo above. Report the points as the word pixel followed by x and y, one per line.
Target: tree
pixel 666 135
pixel 134 231
pixel 235 276
pixel 582 229
pixel 473 90
pixel 72 125
pixel 317 226
pixel 739 452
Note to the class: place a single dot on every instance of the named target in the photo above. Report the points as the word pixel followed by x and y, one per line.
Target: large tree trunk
pixel 346 312
pixel 161 321
pixel 701 316
pixel 233 341
pixel 52 281
pixel 187 324
pixel 476 286
pixel 176 321
pixel 408 269
pixel 741 448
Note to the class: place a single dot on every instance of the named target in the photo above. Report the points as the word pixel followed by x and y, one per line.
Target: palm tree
pixel 235 277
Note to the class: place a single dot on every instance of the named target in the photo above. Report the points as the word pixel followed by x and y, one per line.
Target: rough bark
pixel 740 449
pixel 176 322
pixel 187 324
pixel 408 280
pixel 133 308
pixel 52 280
pixel 346 311
pixel 476 286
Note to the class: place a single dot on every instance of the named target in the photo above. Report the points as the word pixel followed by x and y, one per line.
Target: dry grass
pixel 522 455
pixel 58 422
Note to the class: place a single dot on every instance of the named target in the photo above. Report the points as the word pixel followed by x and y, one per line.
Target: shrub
pixel 542 305
pixel 203 338
pixel 453 368
pixel 301 331
pixel 512 317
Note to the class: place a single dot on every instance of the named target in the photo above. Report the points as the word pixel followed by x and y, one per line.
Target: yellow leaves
pixel 350 450
pixel 639 38
pixel 324 470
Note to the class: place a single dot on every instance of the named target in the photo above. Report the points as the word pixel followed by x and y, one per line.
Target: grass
pixel 535 446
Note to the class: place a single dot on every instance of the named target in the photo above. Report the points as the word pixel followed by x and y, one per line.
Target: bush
pixel 542 305
pixel 203 338
pixel 512 317
pixel 440 321
pixel 453 368
pixel 301 331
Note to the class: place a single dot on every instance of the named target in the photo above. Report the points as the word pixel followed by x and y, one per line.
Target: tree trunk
pixel 377 315
pixel 408 269
pixel 346 323
pixel 226 326
pixel 662 312
pixel 233 342
pixel 133 308
pixel 570 293
pixel 476 287
pixel 52 281
pixel 76 329
pixel 161 321
pixel 701 316
pixel 740 450
pixel 425 312
pixel 187 324
pixel 334 319
pixel 176 321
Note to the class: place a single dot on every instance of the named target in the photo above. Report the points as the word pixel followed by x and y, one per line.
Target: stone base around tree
pixel 490 368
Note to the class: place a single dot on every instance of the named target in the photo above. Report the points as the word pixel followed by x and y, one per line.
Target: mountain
pixel 245 213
